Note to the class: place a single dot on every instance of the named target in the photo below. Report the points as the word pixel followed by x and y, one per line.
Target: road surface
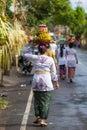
pixel 68 110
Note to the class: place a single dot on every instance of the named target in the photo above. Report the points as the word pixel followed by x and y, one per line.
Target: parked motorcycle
pixel 25 65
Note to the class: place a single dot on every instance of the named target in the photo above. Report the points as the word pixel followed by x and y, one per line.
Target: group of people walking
pixel 45 73
pixel 66 60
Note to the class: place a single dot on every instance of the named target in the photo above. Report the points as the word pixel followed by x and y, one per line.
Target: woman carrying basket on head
pixel 44 73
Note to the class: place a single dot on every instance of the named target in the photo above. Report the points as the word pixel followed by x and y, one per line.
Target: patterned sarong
pixel 62 69
pixel 42 103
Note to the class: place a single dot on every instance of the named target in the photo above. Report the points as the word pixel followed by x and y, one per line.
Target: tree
pixel 12 39
pixel 78 20
pixel 50 12
pixel 5 11
pixel 9 12
pixel 60 11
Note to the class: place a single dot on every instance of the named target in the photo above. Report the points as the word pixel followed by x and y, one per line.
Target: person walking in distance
pixel 72 60
pixel 61 60
pixel 50 53
pixel 44 73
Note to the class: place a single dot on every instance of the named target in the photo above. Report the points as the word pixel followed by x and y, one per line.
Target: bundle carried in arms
pixel 42 35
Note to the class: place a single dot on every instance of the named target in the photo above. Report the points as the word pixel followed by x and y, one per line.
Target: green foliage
pixel 39 11
pixel 51 13
pixel 78 20
pixel 3 104
pixel 9 13
pixel 60 11
pixel 5 5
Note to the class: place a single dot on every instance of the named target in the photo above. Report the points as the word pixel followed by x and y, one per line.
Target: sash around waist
pixel 42 72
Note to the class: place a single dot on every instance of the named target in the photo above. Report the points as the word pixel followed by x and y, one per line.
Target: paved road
pixel 68 110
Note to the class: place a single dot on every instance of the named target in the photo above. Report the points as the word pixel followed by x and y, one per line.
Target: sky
pixel 83 3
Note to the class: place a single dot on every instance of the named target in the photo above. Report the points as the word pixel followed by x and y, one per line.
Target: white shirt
pixel 42 82
pixel 61 60
pixel 71 57
pixel 53 47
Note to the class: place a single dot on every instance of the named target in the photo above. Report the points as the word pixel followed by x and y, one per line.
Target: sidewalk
pixel 15 77
pixel 12 79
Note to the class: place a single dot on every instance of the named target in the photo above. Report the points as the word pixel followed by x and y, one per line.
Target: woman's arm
pixel 27 53
pixel 54 74
pixel 57 84
pixel 76 58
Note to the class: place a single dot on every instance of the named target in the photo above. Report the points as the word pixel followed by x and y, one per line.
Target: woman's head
pixel 42 48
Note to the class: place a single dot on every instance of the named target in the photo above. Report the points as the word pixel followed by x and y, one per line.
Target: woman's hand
pixel 57 84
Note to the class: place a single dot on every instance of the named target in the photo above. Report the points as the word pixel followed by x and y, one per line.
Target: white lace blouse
pixel 71 57
pixel 42 63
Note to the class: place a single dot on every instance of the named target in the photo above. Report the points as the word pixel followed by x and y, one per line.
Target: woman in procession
pixel 50 53
pixel 44 73
pixel 61 59
pixel 72 60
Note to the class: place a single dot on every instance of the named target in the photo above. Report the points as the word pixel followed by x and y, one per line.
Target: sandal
pixel 71 81
pixel 43 123
pixel 36 120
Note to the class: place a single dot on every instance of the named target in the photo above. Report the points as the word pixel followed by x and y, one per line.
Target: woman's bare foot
pixel 37 119
pixel 43 123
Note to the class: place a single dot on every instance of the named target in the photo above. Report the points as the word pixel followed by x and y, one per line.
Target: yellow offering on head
pixel 42 35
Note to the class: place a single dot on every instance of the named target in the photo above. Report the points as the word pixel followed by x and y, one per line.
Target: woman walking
pixel 44 70
pixel 50 53
pixel 71 61
pixel 61 60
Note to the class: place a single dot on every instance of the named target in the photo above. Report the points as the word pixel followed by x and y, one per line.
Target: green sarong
pixel 42 103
